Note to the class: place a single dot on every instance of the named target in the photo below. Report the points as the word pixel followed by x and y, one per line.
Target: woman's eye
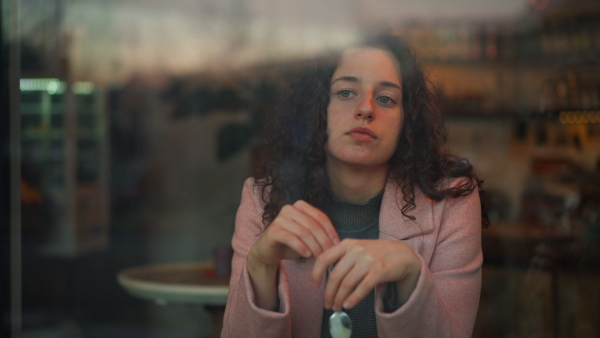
pixel 345 93
pixel 385 100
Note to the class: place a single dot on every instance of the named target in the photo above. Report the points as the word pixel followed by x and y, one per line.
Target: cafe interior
pixel 134 124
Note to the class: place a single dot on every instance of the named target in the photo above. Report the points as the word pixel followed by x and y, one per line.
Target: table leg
pixel 216 313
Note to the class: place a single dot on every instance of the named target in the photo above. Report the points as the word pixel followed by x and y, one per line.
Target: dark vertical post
pixel 10 206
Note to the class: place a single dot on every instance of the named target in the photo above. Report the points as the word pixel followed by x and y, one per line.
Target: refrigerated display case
pixel 64 147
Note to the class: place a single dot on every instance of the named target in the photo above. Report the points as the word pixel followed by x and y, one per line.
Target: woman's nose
pixel 365 109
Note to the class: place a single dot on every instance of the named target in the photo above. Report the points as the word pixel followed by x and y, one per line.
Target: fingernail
pixel 346 304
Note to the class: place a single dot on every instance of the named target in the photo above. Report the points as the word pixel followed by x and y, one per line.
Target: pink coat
pixel 445 234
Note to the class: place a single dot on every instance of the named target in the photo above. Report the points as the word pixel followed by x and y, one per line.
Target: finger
pixel 366 285
pixel 321 218
pixel 336 276
pixel 317 230
pixel 291 240
pixel 287 220
pixel 327 258
pixel 302 234
pixel 347 285
pixel 350 256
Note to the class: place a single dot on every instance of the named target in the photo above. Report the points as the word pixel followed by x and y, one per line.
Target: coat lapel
pixel 394 225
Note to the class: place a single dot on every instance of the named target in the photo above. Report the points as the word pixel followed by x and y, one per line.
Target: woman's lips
pixel 362 134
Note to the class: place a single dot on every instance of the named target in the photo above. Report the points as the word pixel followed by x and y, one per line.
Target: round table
pixel 181 283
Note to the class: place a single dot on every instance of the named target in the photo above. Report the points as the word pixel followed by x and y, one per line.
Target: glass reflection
pixel 140 121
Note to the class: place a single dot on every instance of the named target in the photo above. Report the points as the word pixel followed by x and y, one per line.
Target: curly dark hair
pixel 295 135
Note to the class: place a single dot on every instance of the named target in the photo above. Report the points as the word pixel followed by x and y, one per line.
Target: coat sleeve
pixel 242 317
pixel 445 300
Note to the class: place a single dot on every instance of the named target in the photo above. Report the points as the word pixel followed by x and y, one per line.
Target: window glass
pixel 141 119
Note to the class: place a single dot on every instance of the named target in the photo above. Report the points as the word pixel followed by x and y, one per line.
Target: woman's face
pixel 365 112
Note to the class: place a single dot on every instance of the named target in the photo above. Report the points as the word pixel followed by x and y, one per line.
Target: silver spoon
pixel 340 325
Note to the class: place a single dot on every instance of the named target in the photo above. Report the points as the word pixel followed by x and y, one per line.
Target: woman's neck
pixel 356 184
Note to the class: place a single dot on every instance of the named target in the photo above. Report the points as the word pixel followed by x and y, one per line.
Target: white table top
pixel 183 283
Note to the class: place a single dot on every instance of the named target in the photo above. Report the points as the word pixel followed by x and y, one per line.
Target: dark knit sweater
pixel 356 221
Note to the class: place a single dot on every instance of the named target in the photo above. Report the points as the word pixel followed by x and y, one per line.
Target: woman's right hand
pixel 300 230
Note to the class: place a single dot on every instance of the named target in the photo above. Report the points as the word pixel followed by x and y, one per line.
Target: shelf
pixel 43 134
pixel 562 116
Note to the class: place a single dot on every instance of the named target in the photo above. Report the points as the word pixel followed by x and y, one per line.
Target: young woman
pixel 356 179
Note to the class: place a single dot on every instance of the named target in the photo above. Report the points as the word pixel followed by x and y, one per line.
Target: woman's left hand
pixel 361 265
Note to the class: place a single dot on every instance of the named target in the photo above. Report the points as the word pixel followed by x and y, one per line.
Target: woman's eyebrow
pixel 350 78
pixel 346 78
pixel 390 84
